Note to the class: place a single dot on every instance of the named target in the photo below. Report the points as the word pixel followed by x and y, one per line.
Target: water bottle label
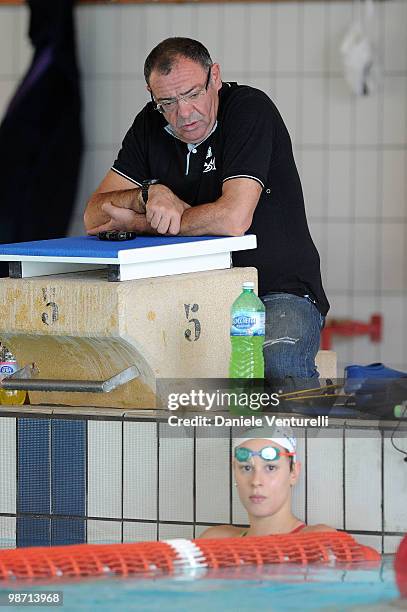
pixel 248 324
pixel 7 368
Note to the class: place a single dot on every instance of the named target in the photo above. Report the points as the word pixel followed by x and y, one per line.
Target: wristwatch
pixel 144 189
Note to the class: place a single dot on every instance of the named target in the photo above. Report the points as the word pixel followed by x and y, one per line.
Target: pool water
pixel 282 588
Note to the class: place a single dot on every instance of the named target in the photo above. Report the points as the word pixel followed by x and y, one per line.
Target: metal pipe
pixel 21 380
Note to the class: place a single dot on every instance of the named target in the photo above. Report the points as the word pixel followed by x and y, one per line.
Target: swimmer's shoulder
pixel 222 531
pixel 318 527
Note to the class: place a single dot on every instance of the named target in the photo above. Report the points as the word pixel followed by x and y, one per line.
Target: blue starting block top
pixel 141 257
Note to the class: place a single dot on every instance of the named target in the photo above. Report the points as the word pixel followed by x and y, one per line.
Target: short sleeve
pixel 248 135
pixel 131 161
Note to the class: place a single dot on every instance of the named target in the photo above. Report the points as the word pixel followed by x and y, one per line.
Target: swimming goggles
pixel 268 453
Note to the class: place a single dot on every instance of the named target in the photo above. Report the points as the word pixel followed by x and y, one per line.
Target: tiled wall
pixel 110 482
pixel 351 152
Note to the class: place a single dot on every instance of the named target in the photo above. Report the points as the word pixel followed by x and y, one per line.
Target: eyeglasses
pixel 167 106
pixel 268 453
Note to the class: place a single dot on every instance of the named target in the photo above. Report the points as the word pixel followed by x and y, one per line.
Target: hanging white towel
pixel 358 54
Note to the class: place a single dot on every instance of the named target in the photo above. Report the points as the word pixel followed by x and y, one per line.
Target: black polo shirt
pixel 249 140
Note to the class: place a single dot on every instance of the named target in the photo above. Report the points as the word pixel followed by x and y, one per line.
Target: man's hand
pixel 123 219
pixel 164 210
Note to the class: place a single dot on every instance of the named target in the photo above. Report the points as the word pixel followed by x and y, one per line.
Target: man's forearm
pixel 215 219
pixel 126 198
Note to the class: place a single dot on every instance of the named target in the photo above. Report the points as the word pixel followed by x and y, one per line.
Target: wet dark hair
pixel 163 57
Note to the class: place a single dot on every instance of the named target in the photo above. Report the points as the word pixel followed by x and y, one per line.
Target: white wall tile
pixel 393 259
pixel 340 113
pixel 234 28
pixel 366 192
pixel 169 532
pixel 212 479
pixel 395 485
pixel 365 262
pixel 364 351
pixel 100 119
pixel 340 306
pixel 340 181
pixel 324 480
pixel 395 40
pixel 315 37
pixel 23 50
pixel 7 532
pixel 338 257
pixel 362 496
pixel 339 20
pixel 132 43
pixel 104 469
pixel 313 106
pixel 392 344
pixel 262 38
pixel 184 18
pixel 139 470
pixel 395 110
pixel 287 52
pixel 104 532
pixel 313 181
pixel 139 532
pixel 103 36
pixel 394 184
pixel 175 475
pixel 391 544
pixel 7 28
pixel 158 24
pixel 86 182
pixel 209 23
pixel 367 117
pixel 7 464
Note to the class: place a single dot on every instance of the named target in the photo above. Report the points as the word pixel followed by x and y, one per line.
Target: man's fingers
pixel 163 225
pixel 174 225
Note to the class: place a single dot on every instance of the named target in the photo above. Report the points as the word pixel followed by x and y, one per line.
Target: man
pixel 224 162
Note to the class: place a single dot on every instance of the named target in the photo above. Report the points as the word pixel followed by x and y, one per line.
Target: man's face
pixel 192 118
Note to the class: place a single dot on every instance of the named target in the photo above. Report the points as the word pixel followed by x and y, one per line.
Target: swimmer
pixel 265 469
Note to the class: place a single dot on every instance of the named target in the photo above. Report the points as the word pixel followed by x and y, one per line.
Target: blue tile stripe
pixel 68 478
pixel 33 481
pixel 51 479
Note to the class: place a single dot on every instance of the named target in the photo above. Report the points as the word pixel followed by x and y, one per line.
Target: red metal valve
pixel 349 328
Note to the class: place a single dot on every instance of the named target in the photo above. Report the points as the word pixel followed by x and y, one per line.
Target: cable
pixel 400 450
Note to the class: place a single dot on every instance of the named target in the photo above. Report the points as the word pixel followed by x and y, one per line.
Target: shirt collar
pixel 191 146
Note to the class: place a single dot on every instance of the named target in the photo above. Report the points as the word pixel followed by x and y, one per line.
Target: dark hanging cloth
pixel 41 135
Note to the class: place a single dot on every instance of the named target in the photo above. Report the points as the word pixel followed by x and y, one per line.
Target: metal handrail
pixel 22 380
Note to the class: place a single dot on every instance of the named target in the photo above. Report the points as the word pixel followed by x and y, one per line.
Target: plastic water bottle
pixel 8 365
pixel 247 335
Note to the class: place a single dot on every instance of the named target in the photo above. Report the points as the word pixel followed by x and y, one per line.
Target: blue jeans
pixel 293 327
